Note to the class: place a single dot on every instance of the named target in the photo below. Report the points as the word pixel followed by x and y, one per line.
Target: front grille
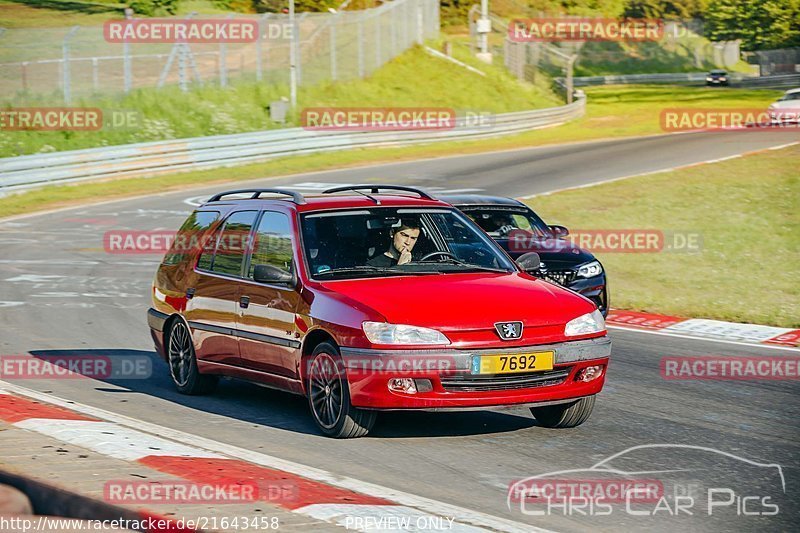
pixel 561 277
pixel 491 382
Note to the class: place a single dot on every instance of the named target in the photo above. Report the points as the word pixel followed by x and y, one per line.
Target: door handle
pixel 244 301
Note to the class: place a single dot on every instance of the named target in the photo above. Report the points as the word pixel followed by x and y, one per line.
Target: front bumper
pixel 453 386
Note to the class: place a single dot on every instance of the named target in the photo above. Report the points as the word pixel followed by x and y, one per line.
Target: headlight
pixel 590 270
pixel 383 333
pixel 709 78
pixel 723 78
pixel 585 324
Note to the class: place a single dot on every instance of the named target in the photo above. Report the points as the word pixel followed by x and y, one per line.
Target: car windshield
pixel 386 241
pixel 790 96
pixel 499 222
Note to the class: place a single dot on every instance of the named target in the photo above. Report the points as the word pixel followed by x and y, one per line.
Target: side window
pixel 191 236
pixel 273 243
pixel 521 222
pixel 231 246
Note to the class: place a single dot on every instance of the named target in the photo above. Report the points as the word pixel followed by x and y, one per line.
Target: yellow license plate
pixel 512 364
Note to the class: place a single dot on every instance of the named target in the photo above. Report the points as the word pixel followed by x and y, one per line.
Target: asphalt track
pixel 61 293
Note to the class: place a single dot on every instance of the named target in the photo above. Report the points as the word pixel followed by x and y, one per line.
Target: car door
pixel 268 335
pixel 212 309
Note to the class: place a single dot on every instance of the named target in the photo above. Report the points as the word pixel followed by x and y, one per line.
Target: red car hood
pixel 459 302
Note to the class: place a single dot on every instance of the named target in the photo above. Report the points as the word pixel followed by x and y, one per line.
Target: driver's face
pixel 405 239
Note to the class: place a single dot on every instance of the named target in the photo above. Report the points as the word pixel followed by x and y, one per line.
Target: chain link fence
pixel 680 49
pixel 77 61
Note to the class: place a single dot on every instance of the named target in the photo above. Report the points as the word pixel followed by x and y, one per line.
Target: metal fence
pixel 689 78
pixel 77 61
pixel 680 48
pixel 162 157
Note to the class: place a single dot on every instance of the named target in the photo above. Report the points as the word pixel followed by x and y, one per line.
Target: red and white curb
pixel 348 502
pixel 704 328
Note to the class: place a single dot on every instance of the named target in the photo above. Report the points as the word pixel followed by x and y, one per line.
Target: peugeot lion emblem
pixel 509 331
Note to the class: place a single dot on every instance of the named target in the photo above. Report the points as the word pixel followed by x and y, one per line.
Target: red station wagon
pixel 370 298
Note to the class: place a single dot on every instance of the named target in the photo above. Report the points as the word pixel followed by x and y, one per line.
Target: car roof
pixel 792 91
pixel 464 200
pixel 333 201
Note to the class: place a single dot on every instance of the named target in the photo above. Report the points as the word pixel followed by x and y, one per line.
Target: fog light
pixel 402 385
pixel 424 385
pixel 590 373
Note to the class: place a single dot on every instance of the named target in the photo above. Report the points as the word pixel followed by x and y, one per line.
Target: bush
pixel 150 8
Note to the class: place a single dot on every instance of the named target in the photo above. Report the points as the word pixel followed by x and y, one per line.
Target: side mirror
pixel 559 231
pixel 529 261
pixel 271 274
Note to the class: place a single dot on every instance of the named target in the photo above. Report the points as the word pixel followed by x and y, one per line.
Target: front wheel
pixel 183 363
pixel 329 397
pixel 565 415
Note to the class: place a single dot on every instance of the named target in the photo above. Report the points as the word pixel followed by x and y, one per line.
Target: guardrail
pixel 203 153
pixel 690 78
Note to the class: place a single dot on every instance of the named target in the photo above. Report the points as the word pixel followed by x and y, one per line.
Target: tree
pixel 760 24
pixel 664 9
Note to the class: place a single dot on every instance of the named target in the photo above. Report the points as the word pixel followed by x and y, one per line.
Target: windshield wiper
pixel 471 265
pixel 368 268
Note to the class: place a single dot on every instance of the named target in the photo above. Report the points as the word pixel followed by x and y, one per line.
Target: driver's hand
pixel 405 257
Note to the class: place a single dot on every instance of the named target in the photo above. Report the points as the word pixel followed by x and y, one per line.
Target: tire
pixel 566 415
pixel 329 397
pixel 182 362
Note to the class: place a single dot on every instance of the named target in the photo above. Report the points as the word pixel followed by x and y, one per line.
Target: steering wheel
pixel 434 254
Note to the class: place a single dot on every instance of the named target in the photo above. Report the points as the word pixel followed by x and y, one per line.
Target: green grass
pixel 611 112
pixel 169 113
pixel 747 211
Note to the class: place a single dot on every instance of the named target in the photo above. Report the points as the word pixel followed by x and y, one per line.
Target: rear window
pixel 190 236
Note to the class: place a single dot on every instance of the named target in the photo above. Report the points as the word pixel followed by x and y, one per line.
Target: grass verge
pixel 747 211
pixel 612 112
pixel 169 113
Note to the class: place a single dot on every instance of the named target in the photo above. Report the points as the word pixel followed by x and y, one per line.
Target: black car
pixel 717 77
pixel 519 230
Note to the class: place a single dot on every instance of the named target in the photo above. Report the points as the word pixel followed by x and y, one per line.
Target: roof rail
pixel 296 196
pixel 374 189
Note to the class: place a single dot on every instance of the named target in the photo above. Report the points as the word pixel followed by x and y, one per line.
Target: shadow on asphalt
pixel 261 406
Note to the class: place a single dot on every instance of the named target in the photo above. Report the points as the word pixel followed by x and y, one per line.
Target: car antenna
pixel 377 202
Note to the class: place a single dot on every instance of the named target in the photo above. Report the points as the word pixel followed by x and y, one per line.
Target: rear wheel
pixel 183 363
pixel 329 397
pixel 565 415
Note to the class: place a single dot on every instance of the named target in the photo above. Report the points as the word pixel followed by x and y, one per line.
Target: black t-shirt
pixel 382 260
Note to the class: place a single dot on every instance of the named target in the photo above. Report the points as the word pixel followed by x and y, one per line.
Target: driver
pixel 399 253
